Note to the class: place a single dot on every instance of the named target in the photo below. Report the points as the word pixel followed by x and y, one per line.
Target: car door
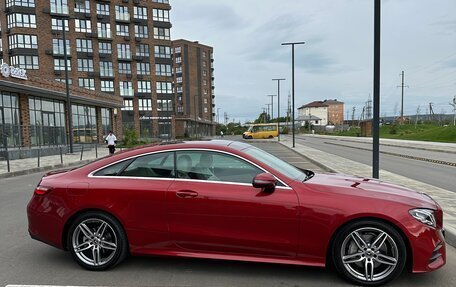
pixel 213 207
pixel 138 186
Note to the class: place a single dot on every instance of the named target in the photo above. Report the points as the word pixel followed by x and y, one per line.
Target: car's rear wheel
pixel 97 241
pixel 369 253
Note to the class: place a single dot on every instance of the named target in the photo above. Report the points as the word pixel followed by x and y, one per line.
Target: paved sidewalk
pixel 337 164
pixel 430 146
pixel 30 165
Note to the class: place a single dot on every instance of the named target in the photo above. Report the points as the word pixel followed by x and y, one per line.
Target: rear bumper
pixel 43 223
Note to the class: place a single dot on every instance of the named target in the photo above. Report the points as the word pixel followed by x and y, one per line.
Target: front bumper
pixel 428 250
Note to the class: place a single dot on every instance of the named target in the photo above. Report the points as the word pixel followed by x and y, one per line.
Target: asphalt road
pixel 435 174
pixel 26 261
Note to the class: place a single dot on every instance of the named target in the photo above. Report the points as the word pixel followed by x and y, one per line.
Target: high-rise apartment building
pixel 118 62
pixel 194 87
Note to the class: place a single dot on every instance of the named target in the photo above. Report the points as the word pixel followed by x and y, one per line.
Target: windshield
pixel 276 163
pixel 250 129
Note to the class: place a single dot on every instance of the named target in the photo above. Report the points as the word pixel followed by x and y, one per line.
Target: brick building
pixel 330 112
pixel 194 88
pixel 119 66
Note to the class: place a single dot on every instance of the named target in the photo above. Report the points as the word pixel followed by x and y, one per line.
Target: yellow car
pixel 262 131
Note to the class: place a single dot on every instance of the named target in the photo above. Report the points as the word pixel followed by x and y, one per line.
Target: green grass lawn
pixel 422 132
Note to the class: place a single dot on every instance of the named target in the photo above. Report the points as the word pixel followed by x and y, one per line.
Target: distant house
pixel 330 112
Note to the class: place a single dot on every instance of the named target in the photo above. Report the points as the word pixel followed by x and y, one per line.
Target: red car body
pixel 295 224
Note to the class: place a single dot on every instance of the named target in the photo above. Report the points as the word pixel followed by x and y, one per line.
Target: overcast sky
pixel 418 36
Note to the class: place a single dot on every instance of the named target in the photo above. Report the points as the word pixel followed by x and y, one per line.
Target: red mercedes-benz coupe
pixel 230 200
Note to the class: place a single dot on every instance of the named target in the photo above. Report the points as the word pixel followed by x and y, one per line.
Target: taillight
pixel 42 190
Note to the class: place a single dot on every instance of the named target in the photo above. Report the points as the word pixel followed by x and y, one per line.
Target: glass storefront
pixel 106 122
pixel 84 124
pixel 10 130
pixel 47 122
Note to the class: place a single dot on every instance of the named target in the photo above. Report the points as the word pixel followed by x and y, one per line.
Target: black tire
pixel 384 262
pixel 109 241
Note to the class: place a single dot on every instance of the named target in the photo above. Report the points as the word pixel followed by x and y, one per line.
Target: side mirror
pixel 265 181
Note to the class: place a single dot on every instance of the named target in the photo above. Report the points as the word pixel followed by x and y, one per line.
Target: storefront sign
pixel 154 118
pixel 9 71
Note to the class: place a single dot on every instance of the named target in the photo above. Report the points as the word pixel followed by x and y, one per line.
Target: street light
pixel 278 105
pixel 292 44
pixel 272 105
pixel 67 88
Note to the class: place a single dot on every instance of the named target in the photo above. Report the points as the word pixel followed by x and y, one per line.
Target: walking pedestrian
pixel 111 140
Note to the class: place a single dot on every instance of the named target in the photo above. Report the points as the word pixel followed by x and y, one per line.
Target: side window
pixel 213 166
pixel 154 165
pixel 113 170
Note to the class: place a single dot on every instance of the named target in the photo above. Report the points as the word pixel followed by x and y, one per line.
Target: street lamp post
pixel 67 89
pixel 292 44
pixel 272 105
pixel 278 105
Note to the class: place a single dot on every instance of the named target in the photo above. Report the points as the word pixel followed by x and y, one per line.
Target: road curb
pixel 43 168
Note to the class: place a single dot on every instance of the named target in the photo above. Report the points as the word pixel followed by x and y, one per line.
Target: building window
pixel 178 60
pixel 84 124
pixel 145 104
pixel 21 20
pixel 85 65
pixel 47 121
pixel 161 1
pixel 10 120
pixel 59 6
pixel 142 50
pixel 84 45
pixel 205 110
pixel 87 83
pixel 58 24
pixel 161 33
pixel 23 3
pixel 205 92
pixel 23 41
pixel 82 6
pixel 179 89
pixel 144 87
pixel 107 86
pixel 25 62
pixel 204 73
pixel 204 82
pixel 58 48
pixel 164 88
pixel 102 9
pixel 162 52
pixel 204 54
pixel 141 31
pixel 106 69
pixel 178 70
pixel 104 30
pixel 177 50
pixel 163 70
pixel 59 65
pixel 205 100
pixel 122 30
pixel 124 68
pixel 106 123
pixel 84 26
pixel 143 68
pixel 160 15
pixel 164 105
pixel 179 80
pixel 104 48
pixel 70 81
pixel 122 13
pixel 204 64
pixel 180 109
pixel 127 105
pixel 126 89
pixel 123 51
pixel 140 12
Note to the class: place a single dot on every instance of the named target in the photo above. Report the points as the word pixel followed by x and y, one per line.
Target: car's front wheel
pixel 369 253
pixel 97 241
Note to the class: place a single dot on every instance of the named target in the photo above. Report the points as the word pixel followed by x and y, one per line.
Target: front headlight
pixel 423 215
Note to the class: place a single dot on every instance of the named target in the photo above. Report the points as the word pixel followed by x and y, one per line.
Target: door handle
pixel 186 194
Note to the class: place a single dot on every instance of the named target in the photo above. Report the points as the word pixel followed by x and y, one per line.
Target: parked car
pixel 230 200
